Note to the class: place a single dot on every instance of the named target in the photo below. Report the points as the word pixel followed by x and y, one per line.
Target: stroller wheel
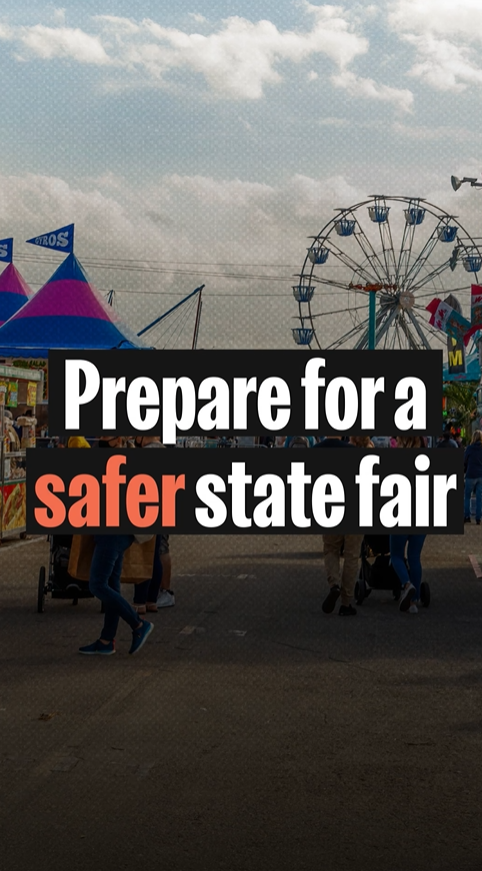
pixel 425 594
pixel 41 591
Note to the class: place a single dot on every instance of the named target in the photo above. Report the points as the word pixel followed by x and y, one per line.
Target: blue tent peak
pixel 69 270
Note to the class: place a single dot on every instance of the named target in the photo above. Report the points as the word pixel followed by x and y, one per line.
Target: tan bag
pixel 141 539
pixel 136 568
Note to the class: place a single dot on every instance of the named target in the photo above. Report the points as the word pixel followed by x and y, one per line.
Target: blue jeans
pixel 105 584
pixel 472 484
pixel 397 556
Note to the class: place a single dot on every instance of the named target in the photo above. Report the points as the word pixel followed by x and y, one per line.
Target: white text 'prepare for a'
pixel 216 404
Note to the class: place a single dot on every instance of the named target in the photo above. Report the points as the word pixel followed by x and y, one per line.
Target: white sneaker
pixel 166 599
pixel 406 597
pixel 413 609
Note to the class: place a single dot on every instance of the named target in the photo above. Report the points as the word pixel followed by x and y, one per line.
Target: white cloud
pixel 241 57
pixel 441 17
pixel 364 88
pixel 60 42
pixel 443 65
pixel 444 35
pixel 238 59
pixel 196 16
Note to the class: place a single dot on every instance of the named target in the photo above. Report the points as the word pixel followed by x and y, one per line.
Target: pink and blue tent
pixel 14 292
pixel 67 312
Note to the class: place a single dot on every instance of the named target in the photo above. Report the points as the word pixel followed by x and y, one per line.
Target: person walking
pixel 105 585
pixel 361 442
pixel 447 441
pixel 407 548
pixel 294 441
pixel 341 581
pixel 78 442
pixel 473 477
pixel 299 442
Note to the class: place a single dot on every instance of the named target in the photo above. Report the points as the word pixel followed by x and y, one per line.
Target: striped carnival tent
pixel 67 312
pixel 14 292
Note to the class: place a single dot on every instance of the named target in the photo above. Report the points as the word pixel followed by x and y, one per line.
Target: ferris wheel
pixel 369 274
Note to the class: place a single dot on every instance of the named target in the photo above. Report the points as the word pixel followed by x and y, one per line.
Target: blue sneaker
pixel 140 636
pixel 98 648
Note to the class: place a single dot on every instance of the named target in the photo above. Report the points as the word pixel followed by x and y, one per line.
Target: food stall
pixel 20 390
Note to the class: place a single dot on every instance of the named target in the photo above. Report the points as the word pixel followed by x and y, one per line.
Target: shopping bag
pixel 136 568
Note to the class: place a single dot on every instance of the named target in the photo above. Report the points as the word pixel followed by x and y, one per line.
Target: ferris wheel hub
pixel 406 300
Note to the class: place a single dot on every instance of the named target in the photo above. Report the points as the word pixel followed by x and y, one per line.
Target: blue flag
pixel 61 239
pixel 6 250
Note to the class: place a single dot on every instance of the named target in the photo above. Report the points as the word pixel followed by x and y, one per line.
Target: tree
pixel 461 402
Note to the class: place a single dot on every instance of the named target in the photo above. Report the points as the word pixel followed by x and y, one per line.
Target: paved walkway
pixel 253 731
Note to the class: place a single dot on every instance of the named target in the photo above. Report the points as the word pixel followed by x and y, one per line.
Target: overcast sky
pixel 227 134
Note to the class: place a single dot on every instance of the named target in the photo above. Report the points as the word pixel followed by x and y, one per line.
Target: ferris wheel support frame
pixel 372 320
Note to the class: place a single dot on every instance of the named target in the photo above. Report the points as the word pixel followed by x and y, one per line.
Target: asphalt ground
pixel 252 731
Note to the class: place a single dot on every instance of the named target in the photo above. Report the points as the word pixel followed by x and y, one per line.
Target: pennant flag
pixel 60 240
pixel 6 250
pixel 476 305
pixel 475 311
pixel 446 319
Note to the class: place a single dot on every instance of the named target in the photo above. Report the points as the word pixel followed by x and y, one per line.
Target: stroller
pixel 59 583
pixel 377 572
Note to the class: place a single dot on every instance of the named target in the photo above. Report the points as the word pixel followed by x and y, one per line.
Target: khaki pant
pixel 332 545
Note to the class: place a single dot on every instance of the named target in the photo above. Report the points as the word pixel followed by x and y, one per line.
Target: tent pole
pixel 198 321
pixel 174 307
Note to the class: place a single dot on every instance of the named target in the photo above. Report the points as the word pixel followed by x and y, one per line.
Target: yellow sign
pixel 455 358
pixel 12 394
pixel 32 393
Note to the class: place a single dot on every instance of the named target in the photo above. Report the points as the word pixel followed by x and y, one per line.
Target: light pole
pixel 474 183
pixel 458 182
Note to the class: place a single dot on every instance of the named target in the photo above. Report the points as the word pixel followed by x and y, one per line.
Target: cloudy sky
pixel 216 137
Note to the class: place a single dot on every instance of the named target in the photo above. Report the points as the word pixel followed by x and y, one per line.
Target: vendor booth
pixel 20 390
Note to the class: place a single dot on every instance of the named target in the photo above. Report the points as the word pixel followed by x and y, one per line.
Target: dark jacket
pixel 447 443
pixel 473 460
